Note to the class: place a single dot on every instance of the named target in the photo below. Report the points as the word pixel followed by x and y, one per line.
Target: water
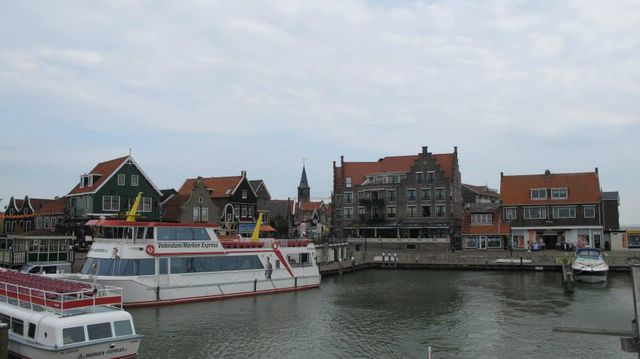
pixel 398 314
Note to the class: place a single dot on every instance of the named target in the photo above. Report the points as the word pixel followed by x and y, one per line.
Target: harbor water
pixel 399 314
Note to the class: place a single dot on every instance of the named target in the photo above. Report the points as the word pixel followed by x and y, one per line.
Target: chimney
pixel 501 174
pixel 342 161
pixel 455 149
pixel 596 170
pixel 425 150
pixel 243 173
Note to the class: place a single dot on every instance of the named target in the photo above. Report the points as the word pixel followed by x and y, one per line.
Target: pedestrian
pixel 267 272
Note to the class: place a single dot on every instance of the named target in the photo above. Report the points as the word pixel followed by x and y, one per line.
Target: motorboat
pixel 55 318
pixel 589 266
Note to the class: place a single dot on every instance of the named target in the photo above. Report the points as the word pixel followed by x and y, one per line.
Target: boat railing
pixel 263 243
pixel 59 296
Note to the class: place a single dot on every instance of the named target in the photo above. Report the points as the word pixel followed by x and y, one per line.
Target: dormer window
pixel 559 193
pixel 538 193
pixel 82 178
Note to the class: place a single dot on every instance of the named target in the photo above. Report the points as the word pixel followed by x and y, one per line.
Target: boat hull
pixel 590 276
pixel 112 349
pixel 145 291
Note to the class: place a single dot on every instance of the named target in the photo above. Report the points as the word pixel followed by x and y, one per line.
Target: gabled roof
pixel 167 194
pixel 172 208
pixel 583 187
pixel 282 207
pixel 219 187
pixel 400 164
pixel 497 227
pixel 106 170
pixel 482 190
pixel 256 184
pixel 310 206
pixel 35 204
pixel 55 206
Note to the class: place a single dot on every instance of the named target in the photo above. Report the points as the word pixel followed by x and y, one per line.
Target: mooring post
pixel 520 260
pixel 429 352
pixel 4 340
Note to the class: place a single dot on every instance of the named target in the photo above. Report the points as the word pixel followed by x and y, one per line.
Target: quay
pixel 546 260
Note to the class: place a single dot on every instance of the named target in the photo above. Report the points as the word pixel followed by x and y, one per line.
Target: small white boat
pixel 55 318
pixel 589 266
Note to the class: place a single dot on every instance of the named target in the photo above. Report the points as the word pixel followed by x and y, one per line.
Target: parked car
pixel 46 268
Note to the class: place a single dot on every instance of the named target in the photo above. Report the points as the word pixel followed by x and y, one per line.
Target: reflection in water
pixel 398 314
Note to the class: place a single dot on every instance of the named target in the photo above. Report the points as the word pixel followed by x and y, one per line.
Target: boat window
pixel 214 264
pixel 122 327
pixel 35 270
pixel 299 260
pixel 5 319
pixel 32 330
pixel 99 331
pixel 139 232
pixel 119 267
pixel 164 265
pixel 17 326
pixel 73 335
pixel 149 233
pixel 182 234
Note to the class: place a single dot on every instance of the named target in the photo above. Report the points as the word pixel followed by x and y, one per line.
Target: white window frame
pixel 204 214
pixel 555 211
pixel 412 210
pixel 437 189
pixel 584 210
pixel 566 193
pixel 431 176
pixel 362 211
pixel 110 200
pixel 122 179
pixel 527 212
pixel 348 182
pixel 507 211
pixel 135 180
pixel 250 211
pixel 244 211
pixel 146 203
pixel 47 223
pixel 481 218
pixel 244 194
pixel 391 212
pixel 348 197
pixel 428 192
pixel 419 177
pixel 348 212
pixel 38 222
pixel 394 195
pixel 196 214
pixel 538 190
pixel 444 212
pixel 415 194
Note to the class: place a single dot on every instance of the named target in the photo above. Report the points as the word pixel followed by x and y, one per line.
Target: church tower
pixel 304 192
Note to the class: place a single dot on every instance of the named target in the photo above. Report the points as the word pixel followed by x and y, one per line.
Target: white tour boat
pixel 168 263
pixel 55 318
pixel 589 266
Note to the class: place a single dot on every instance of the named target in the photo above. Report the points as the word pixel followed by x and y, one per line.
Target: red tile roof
pixel 173 207
pixel 105 169
pixel 55 206
pixel 219 187
pixel 582 188
pixel 482 190
pixel 359 170
pixel 309 206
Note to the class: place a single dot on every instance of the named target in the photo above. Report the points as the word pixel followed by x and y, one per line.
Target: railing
pixel 13 258
pixel 72 295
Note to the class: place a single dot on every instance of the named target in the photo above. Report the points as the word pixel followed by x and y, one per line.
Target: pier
pixel 547 260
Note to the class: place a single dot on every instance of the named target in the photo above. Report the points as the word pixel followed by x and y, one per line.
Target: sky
pixel 211 88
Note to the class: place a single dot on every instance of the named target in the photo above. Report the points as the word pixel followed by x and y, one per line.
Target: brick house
pixel 415 196
pixel 32 213
pixel 110 189
pixel 233 196
pixel 553 208
pixel 483 227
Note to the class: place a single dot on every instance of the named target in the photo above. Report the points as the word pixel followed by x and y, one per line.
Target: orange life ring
pixel 150 249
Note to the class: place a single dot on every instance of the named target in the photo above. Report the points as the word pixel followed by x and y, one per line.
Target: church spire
pixel 304 194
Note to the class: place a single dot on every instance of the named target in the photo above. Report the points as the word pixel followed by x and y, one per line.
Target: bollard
pixel 520 260
pixel 429 352
pixel 4 340
pixel 255 285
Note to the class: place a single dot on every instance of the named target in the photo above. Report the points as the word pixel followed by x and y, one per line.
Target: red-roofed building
pixel 110 188
pixel 416 196
pixel 553 209
pixel 235 199
pixel 483 227
pixel 30 213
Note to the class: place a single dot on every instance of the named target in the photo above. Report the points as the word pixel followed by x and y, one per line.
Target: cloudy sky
pixel 211 88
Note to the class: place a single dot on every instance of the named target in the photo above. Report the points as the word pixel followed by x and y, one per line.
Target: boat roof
pixel 123 223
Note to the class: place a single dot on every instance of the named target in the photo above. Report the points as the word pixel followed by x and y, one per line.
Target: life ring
pixel 150 249
pixel 275 245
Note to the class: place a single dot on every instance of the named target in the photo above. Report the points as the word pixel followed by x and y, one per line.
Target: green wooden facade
pixel 115 196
